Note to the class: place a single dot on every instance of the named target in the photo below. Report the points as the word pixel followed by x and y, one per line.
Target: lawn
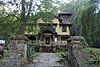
pixel 95 50
pixel 59 53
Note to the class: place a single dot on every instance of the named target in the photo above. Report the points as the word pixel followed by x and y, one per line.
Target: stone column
pixel 18 48
pixel 71 59
pixel 73 44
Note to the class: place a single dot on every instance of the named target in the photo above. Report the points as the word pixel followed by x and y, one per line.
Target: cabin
pixel 53 34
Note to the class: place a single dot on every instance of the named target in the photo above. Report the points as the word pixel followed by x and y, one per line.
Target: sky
pixel 13 7
pixel 67 1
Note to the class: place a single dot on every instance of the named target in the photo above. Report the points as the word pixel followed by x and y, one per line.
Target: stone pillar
pixel 73 44
pixel 69 54
pixel 18 48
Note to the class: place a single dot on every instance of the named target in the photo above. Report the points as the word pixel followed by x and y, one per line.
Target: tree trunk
pixel 22 27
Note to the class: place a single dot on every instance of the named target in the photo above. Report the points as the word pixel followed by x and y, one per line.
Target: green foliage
pixel 96 44
pixel 95 50
pixel 85 18
pixel 26 11
pixel 8 23
pixel 61 48
pixel 84 42
pixel 88 21
pixel 65 55
pixel 94 58
pixel 30 52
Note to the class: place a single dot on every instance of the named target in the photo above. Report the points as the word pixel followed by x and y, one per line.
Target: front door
pixel 47 40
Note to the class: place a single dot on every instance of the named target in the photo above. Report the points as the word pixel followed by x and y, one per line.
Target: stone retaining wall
pixel 77 57
pixel 18 50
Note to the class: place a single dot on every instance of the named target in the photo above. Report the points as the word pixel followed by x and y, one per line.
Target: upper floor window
pixel 64 29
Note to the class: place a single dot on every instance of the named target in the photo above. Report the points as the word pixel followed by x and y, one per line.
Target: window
pixel 64 18
pixel 64 29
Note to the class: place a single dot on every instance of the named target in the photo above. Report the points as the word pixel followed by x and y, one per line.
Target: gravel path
pixel 47 60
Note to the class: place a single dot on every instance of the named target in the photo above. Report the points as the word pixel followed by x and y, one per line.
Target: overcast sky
pixel 67 1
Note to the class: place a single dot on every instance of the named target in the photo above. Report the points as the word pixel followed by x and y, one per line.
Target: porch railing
pixel 61 43
pixel 36 42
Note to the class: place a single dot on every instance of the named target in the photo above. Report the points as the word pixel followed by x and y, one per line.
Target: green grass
pixel 96 50
pixel 6 53
pixel 36 55
pixel 59 53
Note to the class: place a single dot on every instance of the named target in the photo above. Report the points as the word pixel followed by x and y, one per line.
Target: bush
pixel 96 44
pixel 61 48
pixel 65 55
pixel 36 48
pixel 30 52
pixel 94 58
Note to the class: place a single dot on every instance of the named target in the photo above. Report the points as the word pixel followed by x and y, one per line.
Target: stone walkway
pixel 47 60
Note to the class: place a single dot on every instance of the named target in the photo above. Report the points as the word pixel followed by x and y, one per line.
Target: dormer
pixel 64 18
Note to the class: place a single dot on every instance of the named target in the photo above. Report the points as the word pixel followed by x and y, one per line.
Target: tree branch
pixel 28 14
pixel 23 11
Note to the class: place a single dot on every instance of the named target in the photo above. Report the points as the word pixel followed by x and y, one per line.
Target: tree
pixel 85 18
pixel 89 20
pixel 29 11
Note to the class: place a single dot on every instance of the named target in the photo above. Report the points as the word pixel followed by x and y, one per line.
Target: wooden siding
pixel 36 29
pixel 59 30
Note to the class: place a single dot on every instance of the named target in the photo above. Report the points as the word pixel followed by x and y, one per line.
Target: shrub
pixel 61 48
pixel 94 58
pixel 30 52
pixel 96 44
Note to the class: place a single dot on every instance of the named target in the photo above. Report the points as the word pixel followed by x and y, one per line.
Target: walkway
pixel 47 60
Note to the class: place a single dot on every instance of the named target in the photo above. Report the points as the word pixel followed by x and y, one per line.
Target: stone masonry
pixel 18 50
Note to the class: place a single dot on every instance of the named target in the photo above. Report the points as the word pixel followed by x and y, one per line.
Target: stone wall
pixel 18 49
pixel 77 57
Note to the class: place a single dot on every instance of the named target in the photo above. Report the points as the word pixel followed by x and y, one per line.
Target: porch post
pixel 41 44
pixel 54 46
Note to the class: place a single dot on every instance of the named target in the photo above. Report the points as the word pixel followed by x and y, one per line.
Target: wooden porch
pixel 48 48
